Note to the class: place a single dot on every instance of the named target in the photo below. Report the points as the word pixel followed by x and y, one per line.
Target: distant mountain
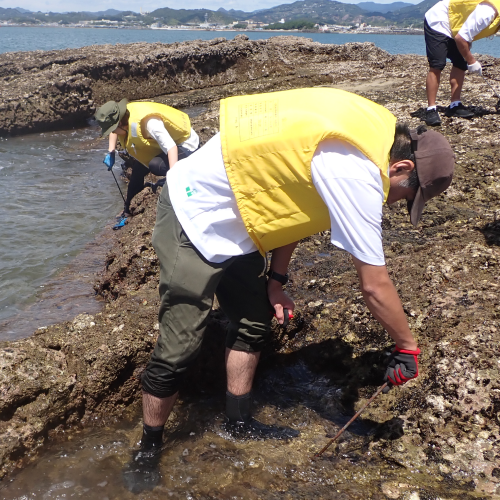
pixel 192 16
pixel 109 12
pixel 417 10
pixel 238 14
pixel 7 14
pixel 24 11
pixel 383 7
pixel 317 11
pixel 413 14
pixel 334 12
pixel 64 17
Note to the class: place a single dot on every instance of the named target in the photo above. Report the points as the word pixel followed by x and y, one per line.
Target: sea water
pixel 56 195
pixel 37 38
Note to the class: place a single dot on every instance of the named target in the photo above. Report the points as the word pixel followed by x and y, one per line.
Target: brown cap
pixel 435 162
pixel 108 116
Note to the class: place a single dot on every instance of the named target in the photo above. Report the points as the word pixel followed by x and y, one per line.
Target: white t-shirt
pixel 347 181
pixel 157 131
pixel 438 19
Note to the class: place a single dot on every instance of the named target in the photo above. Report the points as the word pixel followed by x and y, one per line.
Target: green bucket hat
pixel 108 116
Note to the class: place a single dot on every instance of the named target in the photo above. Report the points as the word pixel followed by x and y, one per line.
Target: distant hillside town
pixel 303 15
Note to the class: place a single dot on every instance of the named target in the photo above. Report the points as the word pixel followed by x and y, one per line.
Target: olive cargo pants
pixel 188 283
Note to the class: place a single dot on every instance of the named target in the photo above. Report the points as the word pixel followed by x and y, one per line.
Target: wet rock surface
pixel 445 424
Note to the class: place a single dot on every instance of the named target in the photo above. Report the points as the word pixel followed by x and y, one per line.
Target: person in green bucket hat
pixel 155 135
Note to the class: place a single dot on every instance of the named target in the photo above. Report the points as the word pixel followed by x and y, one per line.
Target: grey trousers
pixel 188 283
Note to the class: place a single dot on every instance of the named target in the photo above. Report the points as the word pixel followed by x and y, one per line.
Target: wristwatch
pixel 282 278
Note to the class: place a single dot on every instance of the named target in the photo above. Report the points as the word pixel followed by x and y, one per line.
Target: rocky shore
pixel 446 422
pixel 56 89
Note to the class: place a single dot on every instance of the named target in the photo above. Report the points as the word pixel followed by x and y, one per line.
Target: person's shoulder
pixel 153 120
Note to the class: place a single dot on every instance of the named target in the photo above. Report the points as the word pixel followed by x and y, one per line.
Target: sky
pixel 150 5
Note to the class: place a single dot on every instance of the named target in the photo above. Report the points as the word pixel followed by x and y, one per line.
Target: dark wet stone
pixel 253 429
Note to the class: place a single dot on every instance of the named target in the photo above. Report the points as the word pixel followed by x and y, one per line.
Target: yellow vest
pixel 460 10
pixel 137 144
pixel 268 142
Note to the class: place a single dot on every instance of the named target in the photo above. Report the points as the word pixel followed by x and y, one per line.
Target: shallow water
pixel 201 461
pixel 55 197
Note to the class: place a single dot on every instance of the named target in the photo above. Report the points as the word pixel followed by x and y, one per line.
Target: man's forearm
pixel 281 258
pixel 383 301
pixel 278 298
pixel 464 48
pixel 387 309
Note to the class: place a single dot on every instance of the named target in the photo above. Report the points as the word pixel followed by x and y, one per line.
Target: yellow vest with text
pixel 268 142
pixel 137 144
pixel 460 10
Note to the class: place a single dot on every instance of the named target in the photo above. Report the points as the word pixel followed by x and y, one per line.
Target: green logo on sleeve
pixel 190 191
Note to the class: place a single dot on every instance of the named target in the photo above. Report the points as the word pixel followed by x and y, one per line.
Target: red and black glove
pixel 402 366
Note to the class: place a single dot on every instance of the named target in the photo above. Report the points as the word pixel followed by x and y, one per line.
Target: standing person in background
pixel 450 27
pixel 284 166
pixel 155 135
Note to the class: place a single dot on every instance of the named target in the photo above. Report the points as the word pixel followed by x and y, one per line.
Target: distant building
pixel 255 25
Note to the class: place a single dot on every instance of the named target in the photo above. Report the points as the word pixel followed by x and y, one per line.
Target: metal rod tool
pixel 490 86
pixel 497 106
pixel 379 390
pixel 111 170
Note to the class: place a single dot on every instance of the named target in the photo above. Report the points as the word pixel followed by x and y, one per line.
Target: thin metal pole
pixel 118 186
pixel 490 86
pixel 380 389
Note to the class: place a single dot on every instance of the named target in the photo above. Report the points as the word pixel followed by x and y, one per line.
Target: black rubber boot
pixel 142 473
pixel 240 424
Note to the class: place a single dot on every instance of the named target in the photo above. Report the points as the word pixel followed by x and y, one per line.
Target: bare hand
pixel 279 300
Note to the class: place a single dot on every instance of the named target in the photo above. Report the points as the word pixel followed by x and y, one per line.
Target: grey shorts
pixel 188 283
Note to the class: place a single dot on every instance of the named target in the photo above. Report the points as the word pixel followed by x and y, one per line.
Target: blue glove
pixel 109 160
pixel 120 223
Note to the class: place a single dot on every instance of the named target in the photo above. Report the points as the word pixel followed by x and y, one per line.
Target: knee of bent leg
pixel 160 380
pixel 437 68
pixel 169 362
pixel 248 337
pixel 158 166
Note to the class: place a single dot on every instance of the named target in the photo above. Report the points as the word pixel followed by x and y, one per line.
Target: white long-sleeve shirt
pixel 157 131
pixel 438 19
